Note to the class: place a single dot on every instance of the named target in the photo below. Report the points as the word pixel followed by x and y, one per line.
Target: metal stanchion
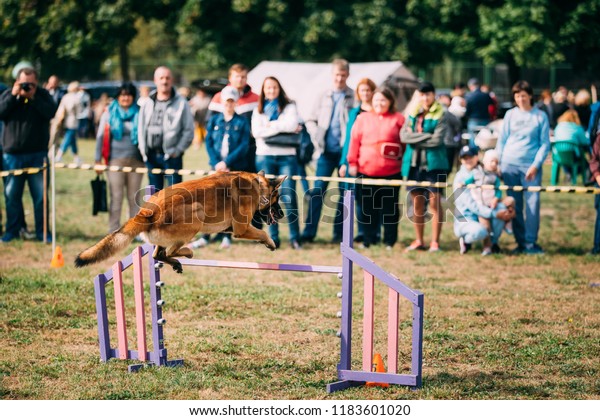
pixel 53 196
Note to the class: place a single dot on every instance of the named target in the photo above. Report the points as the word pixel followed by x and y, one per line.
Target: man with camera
pixel 26 110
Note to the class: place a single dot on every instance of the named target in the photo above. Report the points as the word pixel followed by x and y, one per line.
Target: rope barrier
pixel 363 181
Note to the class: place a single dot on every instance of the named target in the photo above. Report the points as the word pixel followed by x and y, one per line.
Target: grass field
pixel 499 327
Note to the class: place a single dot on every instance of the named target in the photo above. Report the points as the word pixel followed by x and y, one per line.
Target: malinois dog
pixel 223 202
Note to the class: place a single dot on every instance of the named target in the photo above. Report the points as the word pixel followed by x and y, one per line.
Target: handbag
pixel 106 144
pixel 391 150
pixel 284 139
pixel 99 200
pixel 305 151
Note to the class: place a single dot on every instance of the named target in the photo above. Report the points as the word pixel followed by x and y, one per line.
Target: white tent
pixel 304 81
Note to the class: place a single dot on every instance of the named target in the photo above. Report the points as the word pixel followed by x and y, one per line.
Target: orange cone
pixel 378 367
pixel 57 258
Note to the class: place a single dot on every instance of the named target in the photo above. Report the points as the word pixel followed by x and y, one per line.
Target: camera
pixel 26 86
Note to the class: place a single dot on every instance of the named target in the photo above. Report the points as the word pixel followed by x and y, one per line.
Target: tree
pixel 74 37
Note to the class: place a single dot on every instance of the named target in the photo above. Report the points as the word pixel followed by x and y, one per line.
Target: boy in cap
pixel 468 211
pixel 227 141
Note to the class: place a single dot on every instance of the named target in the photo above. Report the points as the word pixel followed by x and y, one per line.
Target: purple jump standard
pixel 347 377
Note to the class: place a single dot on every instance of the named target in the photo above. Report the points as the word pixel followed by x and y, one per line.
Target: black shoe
pixel 518 250
pixel 359 238
pixel 496 249
pixel 296 245
pixel 307 239
pixel 277 243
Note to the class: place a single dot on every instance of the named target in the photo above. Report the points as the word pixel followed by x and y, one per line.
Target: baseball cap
pixel 228 93
pixel 467 150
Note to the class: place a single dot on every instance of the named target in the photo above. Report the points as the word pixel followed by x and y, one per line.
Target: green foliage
pixel 75 37
pixel 521 30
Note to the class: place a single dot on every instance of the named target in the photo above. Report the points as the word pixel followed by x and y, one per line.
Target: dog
pixel 223 202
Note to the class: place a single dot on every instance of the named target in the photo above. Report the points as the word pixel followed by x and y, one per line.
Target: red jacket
pixel 245 105
pixel 375 145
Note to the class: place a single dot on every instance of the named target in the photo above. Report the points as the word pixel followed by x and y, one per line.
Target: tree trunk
pixel 124 61
pixel 514 71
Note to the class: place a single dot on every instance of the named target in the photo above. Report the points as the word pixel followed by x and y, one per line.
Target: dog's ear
pixel 276 183
pixel 261 173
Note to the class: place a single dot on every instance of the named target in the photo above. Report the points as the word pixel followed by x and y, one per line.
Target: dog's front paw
pixel 177 267
pixel 270 244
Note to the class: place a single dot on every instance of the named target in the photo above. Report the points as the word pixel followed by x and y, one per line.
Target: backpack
pixel 305 150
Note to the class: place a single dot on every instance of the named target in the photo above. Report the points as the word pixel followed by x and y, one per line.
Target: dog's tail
pixel 116 241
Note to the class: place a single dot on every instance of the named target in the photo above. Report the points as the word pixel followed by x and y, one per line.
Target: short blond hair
pixel 341 64
pixel 583 98
pixel 570 115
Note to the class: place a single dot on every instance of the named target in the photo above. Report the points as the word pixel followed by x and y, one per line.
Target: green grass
pixel 495 328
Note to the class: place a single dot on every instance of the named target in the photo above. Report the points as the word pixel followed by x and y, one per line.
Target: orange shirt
pixel 375 145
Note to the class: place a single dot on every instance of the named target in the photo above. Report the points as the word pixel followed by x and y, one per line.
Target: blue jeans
pixel 526 224
pixel 303 182
pixel 70 140
pixel 13 192
pixel 474 124
pixel 596 248
pixel 473 231
pixel 283 165
pixel 326 164
pixel 157 160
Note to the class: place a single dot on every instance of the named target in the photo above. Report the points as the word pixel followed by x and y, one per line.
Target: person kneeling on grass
pixel 467 226
pixel 488 174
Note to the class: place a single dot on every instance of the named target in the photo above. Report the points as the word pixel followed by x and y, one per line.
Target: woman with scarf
pixel 276 114
pixel 116 145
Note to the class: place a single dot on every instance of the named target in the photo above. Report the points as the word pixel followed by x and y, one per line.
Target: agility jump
pixel 347 376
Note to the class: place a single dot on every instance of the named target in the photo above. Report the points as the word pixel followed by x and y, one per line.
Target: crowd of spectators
pixel 356 135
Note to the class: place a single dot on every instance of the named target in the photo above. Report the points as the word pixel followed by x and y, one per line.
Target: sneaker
pixel 26 235
pixel 415 246
pixel 200 243
pixel 296 245
pixel 487 251
pixel 464 247
pixel 389 247
pixel 225 243
pixel 532 249
pixel 277 242
pixel 8 237
pixel 359 238
pixel 434 247
pixel 77 161
pixel 496 249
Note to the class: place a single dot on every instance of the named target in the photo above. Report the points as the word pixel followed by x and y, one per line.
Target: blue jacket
pixel 595 108
pixel 477 105
pixel 571 132
pixel 466 208
pixel 238 131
